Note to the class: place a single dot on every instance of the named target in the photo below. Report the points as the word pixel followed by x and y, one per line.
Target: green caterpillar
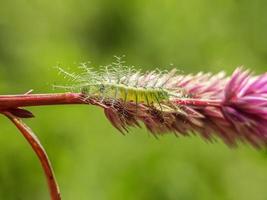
pixel 126 93
pixel 117 82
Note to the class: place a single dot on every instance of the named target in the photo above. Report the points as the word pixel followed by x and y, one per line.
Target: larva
pixel 117 82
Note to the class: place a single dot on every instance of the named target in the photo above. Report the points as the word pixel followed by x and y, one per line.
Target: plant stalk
pixel 40 152
pixel 15 101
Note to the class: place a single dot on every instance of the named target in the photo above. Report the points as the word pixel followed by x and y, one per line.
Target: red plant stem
pixel 197 102
pixel 14 101
pixel 40 152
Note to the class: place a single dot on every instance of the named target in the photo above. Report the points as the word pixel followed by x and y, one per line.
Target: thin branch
pixel 197 102
pixel 40 152
pixel 15 101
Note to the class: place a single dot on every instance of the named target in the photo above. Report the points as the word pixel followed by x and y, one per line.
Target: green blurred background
pixel 91 159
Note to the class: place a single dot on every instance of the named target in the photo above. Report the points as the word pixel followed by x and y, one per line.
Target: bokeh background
pixel 91 159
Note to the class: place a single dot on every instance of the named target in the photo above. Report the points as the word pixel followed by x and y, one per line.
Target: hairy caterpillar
pixel 119 82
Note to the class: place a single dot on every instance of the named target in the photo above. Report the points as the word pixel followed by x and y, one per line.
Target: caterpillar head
pixel 99 90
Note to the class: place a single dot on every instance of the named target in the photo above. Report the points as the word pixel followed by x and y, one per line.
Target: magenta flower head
pixel 212 105
pixel 245 106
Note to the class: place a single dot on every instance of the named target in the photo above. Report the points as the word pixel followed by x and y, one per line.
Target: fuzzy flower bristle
pixel 212 105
